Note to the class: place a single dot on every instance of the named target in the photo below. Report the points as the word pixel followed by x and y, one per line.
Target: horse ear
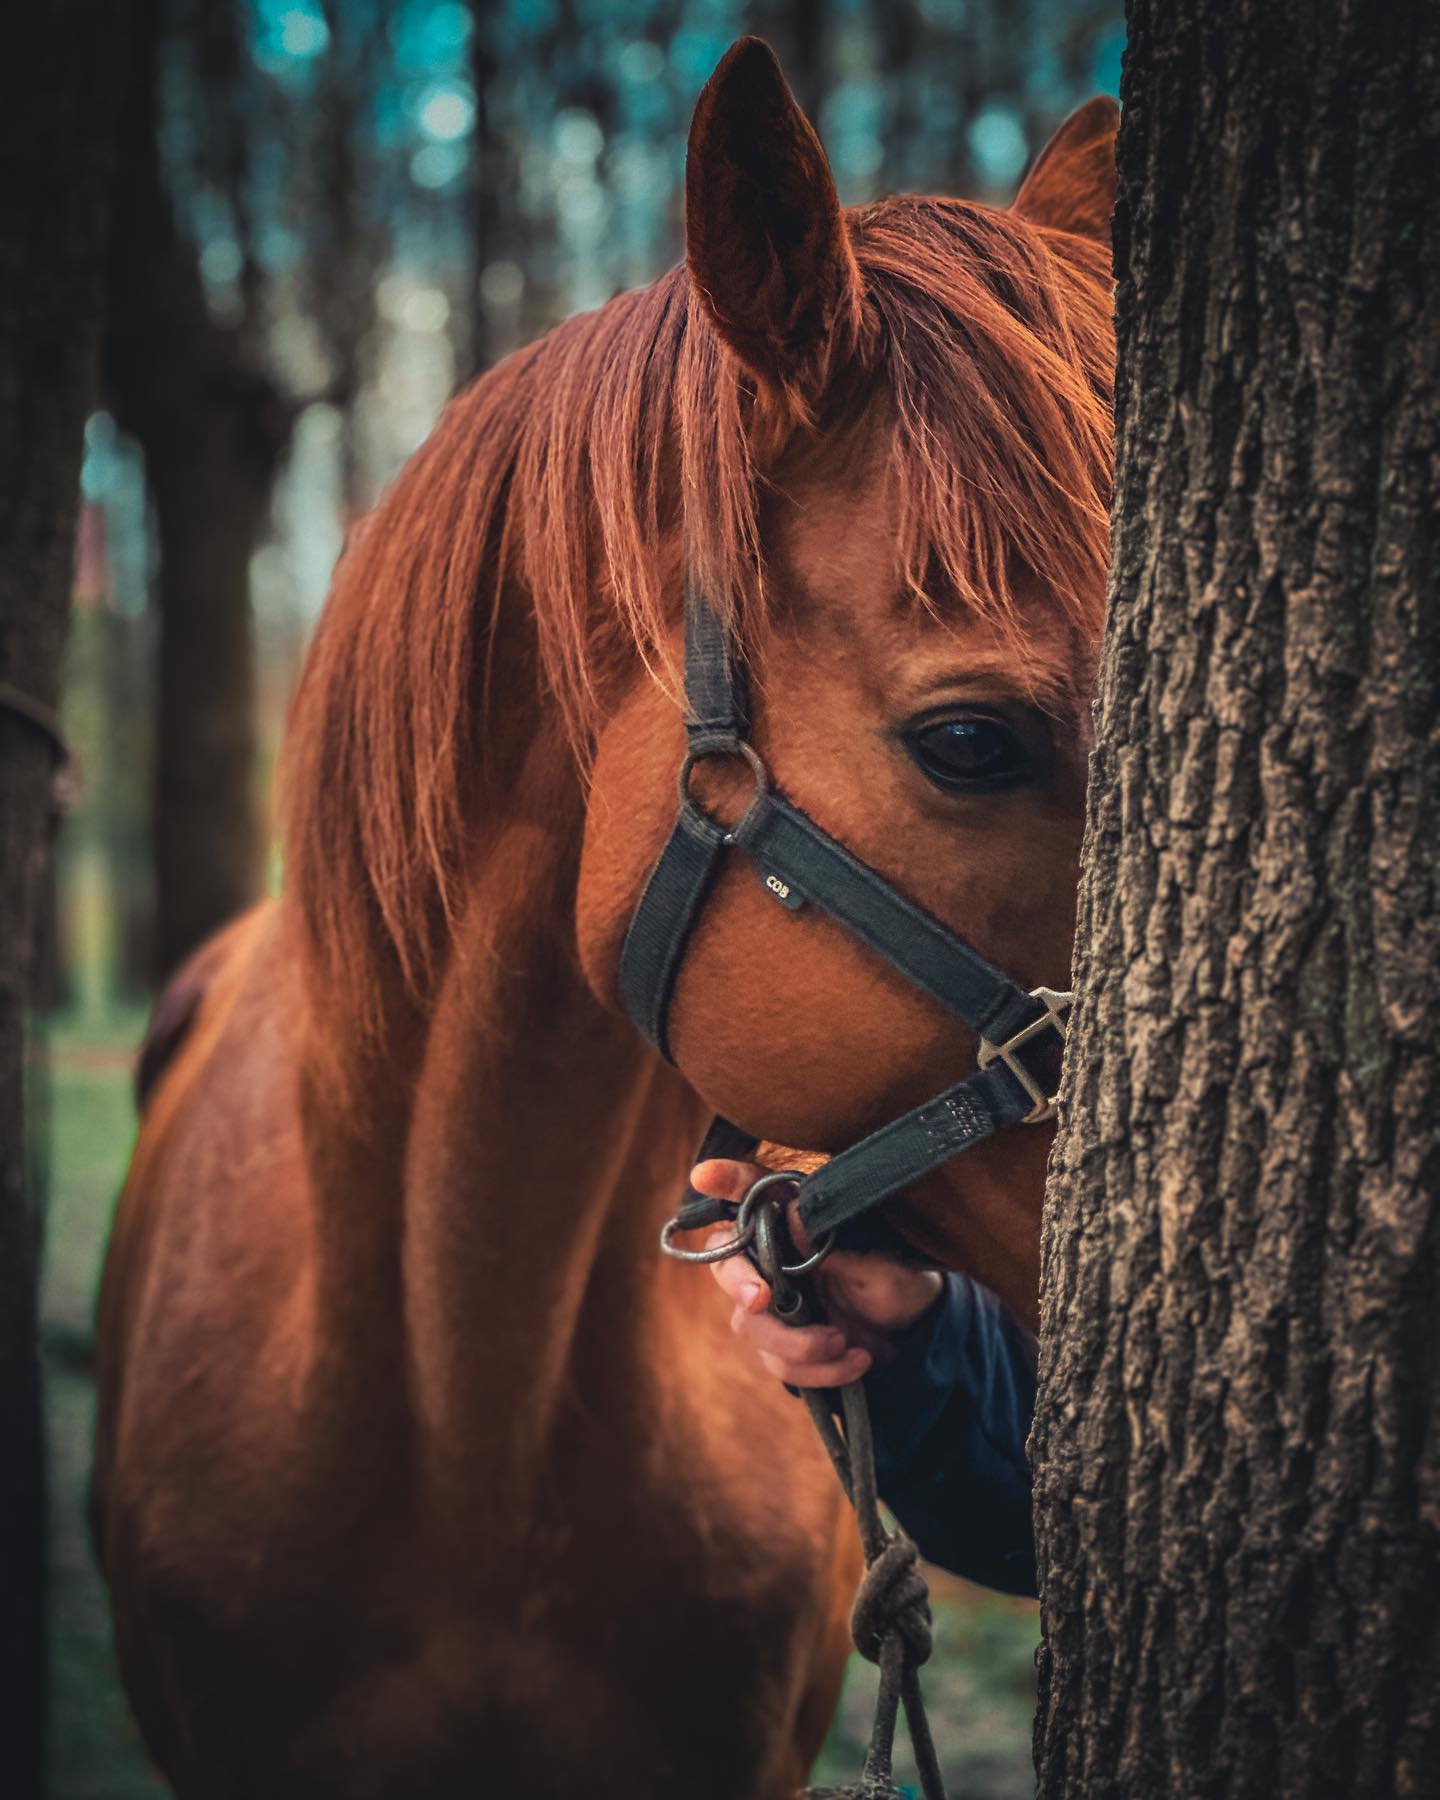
pixel 765 237
pixel 1071 186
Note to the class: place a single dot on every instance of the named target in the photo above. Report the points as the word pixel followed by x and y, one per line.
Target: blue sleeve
pixel 950 1411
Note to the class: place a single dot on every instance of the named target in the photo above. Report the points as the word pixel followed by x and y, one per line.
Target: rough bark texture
pixel 57 89
pixel 214 428
pixel 1237 1447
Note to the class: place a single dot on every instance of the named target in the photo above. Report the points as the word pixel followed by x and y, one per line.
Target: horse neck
pixel 526 1169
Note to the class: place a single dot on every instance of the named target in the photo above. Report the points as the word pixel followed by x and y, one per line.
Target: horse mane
pixel 988 359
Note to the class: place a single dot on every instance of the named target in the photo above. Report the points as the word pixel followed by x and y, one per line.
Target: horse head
pixel 899 511
pixel 393 1381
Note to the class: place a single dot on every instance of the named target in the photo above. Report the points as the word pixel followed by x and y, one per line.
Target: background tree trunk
pixel 214 428
pixel 797 31
pixel 59 82
pixel 1238 1503
pixel 492 177
pixel 349 243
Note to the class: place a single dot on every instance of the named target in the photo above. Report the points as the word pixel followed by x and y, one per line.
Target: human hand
pixel 866 1298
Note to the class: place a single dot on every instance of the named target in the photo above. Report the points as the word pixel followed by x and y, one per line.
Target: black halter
pixel 1021 1033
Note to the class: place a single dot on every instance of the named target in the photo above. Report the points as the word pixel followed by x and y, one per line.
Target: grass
pixel 980 1684
pixel 979 1691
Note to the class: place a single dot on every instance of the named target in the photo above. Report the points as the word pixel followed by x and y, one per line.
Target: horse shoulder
pixel 217 1132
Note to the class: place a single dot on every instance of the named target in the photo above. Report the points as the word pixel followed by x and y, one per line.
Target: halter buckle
pixel 1056 1018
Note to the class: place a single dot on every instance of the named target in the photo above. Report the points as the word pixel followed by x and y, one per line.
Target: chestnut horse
pixel 420 1472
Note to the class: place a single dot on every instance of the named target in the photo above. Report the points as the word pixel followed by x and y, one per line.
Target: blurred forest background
pixel 329 214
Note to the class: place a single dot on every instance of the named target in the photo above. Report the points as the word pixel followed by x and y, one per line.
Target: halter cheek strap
pixel 801 864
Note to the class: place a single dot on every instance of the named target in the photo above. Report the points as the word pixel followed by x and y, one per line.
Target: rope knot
pixel 893 1597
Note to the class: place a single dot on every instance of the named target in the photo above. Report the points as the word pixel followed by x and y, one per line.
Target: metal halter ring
pixel 742 1239
pixel 745 1218
pixel 721 1252
pixel 745 1231
pixel 746 752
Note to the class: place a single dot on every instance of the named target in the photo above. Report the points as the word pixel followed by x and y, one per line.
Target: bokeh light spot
pixel 437 165
pixel 220 261
pixel 303 33
pixel 578 137
pixel 642 61
pixel 447 112
pixel 501 284
pixel 448 25
pixel 425 309
pixel 998 144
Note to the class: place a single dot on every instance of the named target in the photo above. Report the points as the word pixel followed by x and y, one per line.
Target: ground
pixel 980 1685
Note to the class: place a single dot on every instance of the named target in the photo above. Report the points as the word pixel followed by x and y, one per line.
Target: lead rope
pixel 890 1620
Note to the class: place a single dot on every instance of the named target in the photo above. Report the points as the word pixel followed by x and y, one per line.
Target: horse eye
pixel 968 752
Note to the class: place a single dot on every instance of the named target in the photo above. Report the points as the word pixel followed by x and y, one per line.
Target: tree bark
pixel 214 428
pixel 58 91
pixel 1238 1460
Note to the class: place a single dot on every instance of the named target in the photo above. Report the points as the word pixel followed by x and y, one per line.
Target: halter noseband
pixel 1021 1033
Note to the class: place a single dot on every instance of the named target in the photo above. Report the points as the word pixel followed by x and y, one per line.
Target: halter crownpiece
pixel 1021 1031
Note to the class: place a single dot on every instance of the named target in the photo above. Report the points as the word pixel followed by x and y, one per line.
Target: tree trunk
pixel 348 245
pixel 797 31
pixel 491 183
pixel 58 88
pixel 213 427
pixel 1238 1437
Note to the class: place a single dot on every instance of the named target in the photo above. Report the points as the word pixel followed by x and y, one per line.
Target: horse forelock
pixel 987 359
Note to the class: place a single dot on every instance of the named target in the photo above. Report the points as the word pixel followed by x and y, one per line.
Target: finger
pixel 799 1236
pixel 790 1343
pixel 737 1277
pixel 723 1179
pixel 835 1373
